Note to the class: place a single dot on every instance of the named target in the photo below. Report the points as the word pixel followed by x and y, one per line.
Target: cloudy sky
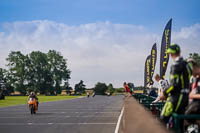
pixel 102 40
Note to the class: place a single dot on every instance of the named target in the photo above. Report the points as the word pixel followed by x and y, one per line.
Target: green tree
pixel 2 83
pixel 58 69
pixel 37 71
pixel 100 88
pixel 18 71
pixel 67 88
pixel 8 82
pixel 110 89
pixel 80 87
pixel 40 78
pixel 2 78
pixel 196 57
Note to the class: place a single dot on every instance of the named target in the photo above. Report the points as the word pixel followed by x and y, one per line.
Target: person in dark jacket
pixel 178 90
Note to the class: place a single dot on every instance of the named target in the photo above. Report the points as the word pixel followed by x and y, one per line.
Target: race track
pixel 83 115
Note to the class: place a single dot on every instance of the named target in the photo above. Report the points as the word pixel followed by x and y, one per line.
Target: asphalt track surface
pixel 83 115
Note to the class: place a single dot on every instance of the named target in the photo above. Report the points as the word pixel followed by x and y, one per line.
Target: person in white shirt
pixel 163 84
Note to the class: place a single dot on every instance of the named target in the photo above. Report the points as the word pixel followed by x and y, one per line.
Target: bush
pixel 100 88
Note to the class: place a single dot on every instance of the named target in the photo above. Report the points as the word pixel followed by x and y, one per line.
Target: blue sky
pixel 103 40
pixel 151 13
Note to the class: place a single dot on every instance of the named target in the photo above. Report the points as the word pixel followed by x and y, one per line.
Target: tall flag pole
pixel 153 62
pixel 164 56
pixel 147 71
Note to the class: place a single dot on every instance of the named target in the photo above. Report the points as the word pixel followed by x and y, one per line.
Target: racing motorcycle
pixel 32 105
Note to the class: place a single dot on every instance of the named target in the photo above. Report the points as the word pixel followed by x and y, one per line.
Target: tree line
pixel 46 73
pixel 99 88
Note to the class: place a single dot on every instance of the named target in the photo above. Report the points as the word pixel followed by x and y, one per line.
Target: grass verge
pixel 18 100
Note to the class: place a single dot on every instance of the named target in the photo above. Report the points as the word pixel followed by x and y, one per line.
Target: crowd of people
pixel 182 94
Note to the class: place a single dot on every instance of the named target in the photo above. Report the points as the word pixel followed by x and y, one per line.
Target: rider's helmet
pixel 32 93
pixel 174 49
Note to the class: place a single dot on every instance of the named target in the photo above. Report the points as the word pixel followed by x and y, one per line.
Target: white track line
pixel 105 110
pixel 44 124
pixel 119 120
pixel 39 117
pixel 39 112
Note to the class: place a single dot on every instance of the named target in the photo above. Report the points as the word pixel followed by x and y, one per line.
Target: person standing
pixel 194 96
pixel 178 90
pixel 163 84
pixel 127 90
pixel 93 94
pixel 131 87
pixel 88 94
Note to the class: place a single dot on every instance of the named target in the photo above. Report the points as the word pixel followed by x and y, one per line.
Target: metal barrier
pixel 146 101
pixel 179 117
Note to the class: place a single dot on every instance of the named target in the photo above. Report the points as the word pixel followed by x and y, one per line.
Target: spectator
pixel 88 94
pixel 127 90
pixel 93 94
pixel 131 87
pixel 152 92
pixel 194 96
pixel 178 90
pixel 163 84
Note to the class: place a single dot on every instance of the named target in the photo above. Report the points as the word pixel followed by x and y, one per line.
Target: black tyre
pixel 32 108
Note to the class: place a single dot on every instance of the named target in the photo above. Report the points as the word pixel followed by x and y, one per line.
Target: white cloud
pixel 102 51
pixel 188 38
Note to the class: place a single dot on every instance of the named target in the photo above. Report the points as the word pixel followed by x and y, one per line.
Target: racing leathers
pixel 178 90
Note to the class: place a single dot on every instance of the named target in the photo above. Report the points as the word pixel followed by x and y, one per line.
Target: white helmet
pixel 32 93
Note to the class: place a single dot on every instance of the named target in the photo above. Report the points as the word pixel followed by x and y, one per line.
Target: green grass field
pixel 18 100
pixel 138 91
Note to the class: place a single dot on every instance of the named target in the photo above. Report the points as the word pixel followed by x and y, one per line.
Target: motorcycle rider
pixel 33 95
pixel 178 90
